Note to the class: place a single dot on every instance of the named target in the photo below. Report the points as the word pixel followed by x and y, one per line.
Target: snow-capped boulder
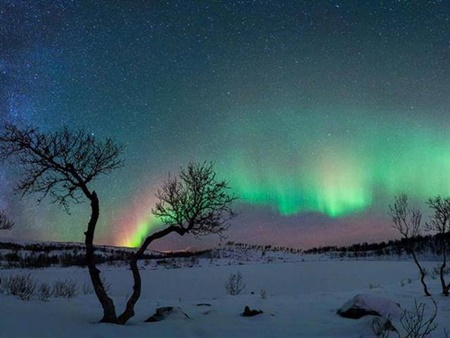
pixel 363 305
pixel 166 312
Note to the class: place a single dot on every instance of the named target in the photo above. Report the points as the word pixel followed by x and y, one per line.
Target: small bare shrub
pixel 106 284
pixel 235 284
pixel 44 292
pixel 65 289
pixel 405 281
pixel 87 289
pixel 263 294
pixel 21 286
pixel 415 323
pixel 436 271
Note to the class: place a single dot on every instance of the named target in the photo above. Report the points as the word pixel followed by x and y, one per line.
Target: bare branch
pixel 5 222
pixel 196 202
pixel 440 221
pixel 407 220
pixel 58 164
pixel 416 324
pixel 61 165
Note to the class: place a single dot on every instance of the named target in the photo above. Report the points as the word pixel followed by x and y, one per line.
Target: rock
pixel 363 305
pixel 250 313
pixel 163 313
pixel 382 326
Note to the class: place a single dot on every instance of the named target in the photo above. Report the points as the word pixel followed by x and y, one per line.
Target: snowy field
pixel 299 299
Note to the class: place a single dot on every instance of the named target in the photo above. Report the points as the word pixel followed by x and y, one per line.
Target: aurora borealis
pixel 341 174
pixel 316 112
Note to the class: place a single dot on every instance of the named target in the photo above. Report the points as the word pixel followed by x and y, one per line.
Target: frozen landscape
pixel 298 294
pixel 321 126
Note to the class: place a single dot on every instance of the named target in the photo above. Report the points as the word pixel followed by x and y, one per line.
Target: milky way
pixel 316 112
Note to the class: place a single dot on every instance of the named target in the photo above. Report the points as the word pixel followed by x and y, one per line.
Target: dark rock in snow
pixel 163 313
pixel 364 305
pixel 250 313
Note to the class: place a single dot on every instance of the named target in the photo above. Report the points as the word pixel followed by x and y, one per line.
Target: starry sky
pixel 316 112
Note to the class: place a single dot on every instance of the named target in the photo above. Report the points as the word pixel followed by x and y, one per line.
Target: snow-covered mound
pixel 364 305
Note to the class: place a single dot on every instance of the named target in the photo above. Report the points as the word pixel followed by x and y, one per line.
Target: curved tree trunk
pixel 445 287
pixel 137 286
pixel 109 311
pixel 422 274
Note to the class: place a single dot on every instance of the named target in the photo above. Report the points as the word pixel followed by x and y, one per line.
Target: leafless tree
pixel 62 165
pixel 439 224
pixel 195 203
pixel 5 222
pixel 407 221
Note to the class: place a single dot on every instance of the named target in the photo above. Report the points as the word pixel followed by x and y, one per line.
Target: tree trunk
pixel 137 286
pixel 422 274
pixel 109 311
pixel 445 290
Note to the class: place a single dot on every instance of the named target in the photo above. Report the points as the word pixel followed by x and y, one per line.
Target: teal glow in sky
pixel 335 163
pixel 316 112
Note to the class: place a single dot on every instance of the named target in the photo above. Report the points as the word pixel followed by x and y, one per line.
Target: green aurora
pixel 317 112
pixel 335 164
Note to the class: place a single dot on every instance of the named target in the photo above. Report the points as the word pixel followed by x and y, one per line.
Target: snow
pixel 301 300
pixel 372 304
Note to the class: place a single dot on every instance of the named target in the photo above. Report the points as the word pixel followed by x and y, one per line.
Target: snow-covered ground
pixel 299 299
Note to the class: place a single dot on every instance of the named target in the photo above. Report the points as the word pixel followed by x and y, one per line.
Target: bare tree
pixel 5 222
pixel 407 221
pixel 193 203
pixel 62 165
pixel 440 225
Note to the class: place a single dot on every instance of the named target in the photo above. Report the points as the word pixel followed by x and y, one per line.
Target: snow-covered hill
pixel 45 254
pixel 299 294
pixel 297 299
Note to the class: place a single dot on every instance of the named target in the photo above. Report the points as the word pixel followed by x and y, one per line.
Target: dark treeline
pixel 262 247
pixel 42 255
pixel 422 245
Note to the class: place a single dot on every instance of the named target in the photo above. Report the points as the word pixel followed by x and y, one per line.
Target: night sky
pixel 317 112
